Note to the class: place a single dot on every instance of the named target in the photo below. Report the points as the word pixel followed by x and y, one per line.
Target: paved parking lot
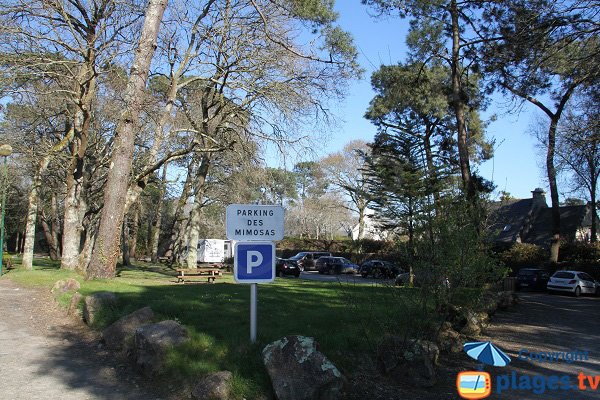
pixel 543 326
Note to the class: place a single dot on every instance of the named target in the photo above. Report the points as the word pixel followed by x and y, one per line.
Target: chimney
pixel 539 198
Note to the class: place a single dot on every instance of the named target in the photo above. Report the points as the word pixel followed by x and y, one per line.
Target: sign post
pixel 255 227
pixel 253 297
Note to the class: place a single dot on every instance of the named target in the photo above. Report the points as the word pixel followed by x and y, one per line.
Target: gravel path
pixel 46 355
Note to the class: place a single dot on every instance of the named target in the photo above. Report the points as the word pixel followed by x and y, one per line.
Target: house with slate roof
pixel 530 221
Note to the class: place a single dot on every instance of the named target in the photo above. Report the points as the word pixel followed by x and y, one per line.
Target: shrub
pixel 524 255
pixel 577 252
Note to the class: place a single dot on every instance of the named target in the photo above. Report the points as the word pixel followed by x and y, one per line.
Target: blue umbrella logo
pixel 487 353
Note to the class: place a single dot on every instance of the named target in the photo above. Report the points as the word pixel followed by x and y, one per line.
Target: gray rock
pixel 475 323
pixel 116 335
pixel 489 303
pixel 63 286
pixel 74 304
pixel 151 343
pixel 471 329
pixel 506 300
pixel 97 303
pixel 299 371
pixel 411 361
pixel 448 340
pixel 216 386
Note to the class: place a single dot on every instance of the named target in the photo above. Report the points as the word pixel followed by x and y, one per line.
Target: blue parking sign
pixel 254 262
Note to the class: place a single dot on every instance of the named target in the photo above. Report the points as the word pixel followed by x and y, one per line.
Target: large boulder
pixel 74 304
pixel 448 340
pixel 151 343
pixel 98 303
pixel 475 323
pixel 412 361
pixel 63 286
pixel 216 386
pixel 299 371
pixel 117 334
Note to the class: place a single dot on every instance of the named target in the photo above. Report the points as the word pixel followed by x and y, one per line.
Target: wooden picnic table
pixel 209 273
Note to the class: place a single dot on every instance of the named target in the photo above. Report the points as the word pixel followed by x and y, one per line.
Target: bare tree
pixel 345 171
pixel 106 251
pixel 578 150
pixel 542 52
pixel 64 42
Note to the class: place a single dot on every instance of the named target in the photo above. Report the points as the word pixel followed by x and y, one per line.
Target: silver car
pixel 575 282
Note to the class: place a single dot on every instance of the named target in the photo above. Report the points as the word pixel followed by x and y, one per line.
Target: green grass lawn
pixel 346 320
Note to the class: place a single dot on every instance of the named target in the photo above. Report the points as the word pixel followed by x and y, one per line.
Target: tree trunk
pixel 134 191
pixel 551 170
pixel 32 214
pixel 125 243
pixel 195 216
pixel 178 220
pixel 458 104
pixel 593 167
pixel 158 220
pixel 88 245
pixel 361 222
pixel 48 236
pixel 75 205
pixel 105 253
pixel 594 227
pixel 55 224
pixel 134 233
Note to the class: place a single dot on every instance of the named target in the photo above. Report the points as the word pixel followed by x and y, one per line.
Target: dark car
pixel 335 265
pixel 306 259
pixel 532 278
pixel 285 267
pixel 379 269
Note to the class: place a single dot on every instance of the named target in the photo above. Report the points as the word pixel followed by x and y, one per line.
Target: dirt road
pixel 45 355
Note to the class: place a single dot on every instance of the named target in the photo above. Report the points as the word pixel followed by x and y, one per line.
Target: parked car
pixel 533 278
pixel 285 267
pixel 306 259
pixel 335 265
pixel 575 282
pixel 379 269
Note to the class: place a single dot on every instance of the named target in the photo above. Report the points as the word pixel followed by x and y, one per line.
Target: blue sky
pixel 516 166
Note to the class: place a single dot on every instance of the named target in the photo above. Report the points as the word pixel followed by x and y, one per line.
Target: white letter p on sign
pixel 253 260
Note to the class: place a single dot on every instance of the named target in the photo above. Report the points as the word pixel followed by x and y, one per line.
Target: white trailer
pixel 229 247
pixel 211 251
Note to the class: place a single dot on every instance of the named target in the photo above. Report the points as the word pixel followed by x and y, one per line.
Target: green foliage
pixel 400 189
pixel 338 41
pixel 318 11
pixel 459 252
pixel 279 185
pixel 310 179
pixel 524 255
pixel 545 46
pixel 580 252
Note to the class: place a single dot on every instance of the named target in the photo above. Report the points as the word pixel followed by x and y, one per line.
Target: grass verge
pixel 346 320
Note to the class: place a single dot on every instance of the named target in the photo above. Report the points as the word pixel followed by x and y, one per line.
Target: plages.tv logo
pixel 473 385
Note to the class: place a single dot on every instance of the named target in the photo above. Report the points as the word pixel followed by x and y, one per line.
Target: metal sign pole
pixel 253 295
